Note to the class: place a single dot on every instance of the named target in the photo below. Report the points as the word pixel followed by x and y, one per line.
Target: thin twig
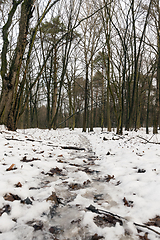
pixel 99 211
pixel 144 226
pixel 147 141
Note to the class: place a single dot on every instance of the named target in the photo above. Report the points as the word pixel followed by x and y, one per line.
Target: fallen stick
pixel 144 226
pixel 72 148
pixel 22 140
pixel 15 139
pixel 99 211
pixel 147 141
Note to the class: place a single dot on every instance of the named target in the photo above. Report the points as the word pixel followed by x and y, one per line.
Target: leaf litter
pixel 77 191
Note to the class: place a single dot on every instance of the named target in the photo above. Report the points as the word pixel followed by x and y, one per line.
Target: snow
pixel 111 170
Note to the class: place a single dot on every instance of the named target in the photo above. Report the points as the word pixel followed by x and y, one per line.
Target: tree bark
pixel 91 85
pixel 86 100
pixel 11 80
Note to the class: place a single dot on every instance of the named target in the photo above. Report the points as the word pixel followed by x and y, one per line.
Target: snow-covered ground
pixel 105 186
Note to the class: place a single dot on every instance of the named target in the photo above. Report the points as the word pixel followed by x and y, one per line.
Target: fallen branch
pixel 147 141
pixel 144 226
pixel 32 140
pixel 72 148
pixel 98 211
pixel 15 139
pixel 21 140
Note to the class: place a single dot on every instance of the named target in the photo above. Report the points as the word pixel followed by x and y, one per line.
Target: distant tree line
pixel 80 63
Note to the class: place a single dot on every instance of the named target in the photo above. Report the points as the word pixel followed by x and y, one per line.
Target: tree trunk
pixel 86 100
pixel 158 58
pixel 91 85
pixel 70 103
pixel 74 105
pixel 102 103
pixel 54 97
pixel 11 79
pixel 156 113
pixel 148 104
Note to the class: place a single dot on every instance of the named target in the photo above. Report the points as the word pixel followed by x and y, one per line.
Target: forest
pixel 80 63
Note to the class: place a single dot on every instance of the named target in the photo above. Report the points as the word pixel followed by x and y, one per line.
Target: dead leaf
pixel 38 226
pixel 12 167
pixel 55 230
pixel 60 161
pixel 86 183
pixel 108 178
pixel 127 203
pixel 154 221
pixel 88 170
pixel 76 221
pixel 54 198
pixel 18 184
pixel 118 183
pixel 11 197
pixel 145 237
pixel 96 237
pixel 53 171
pixel 105 139
pixel 6 209
pixel 75 186
pixel 26 201
pixel 105 179
pixel 106 220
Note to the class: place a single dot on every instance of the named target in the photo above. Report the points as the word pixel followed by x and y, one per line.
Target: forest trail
pixel 66 191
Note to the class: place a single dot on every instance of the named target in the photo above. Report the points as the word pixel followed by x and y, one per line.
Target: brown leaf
pixel 53 171
pixel 12 167
pixel 108 178
pixel 18 184
pixel 76 221
pixel 96 237
pixel 145 237
pixel 105 179
pixel 55 230
pixel 118 183
pixel 75 186
pixel 86 183
pixel 60 161
pixel 127 203
pixel 106 220
pixel 154 221
pixel 54 198
pixel 11 197
pixel 89 171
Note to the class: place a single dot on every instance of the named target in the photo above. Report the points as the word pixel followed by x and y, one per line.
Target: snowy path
pixel 45 188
